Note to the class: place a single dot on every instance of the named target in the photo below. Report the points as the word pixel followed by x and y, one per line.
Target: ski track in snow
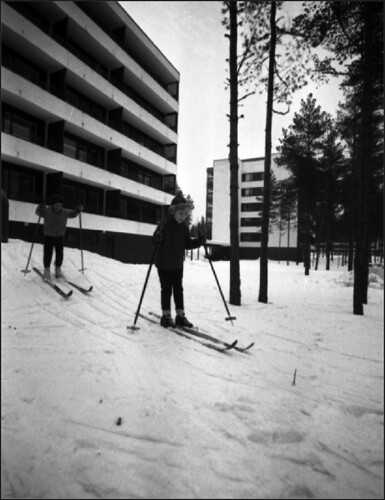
pixel 194 423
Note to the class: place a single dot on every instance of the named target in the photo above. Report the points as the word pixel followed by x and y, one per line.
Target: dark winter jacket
pixel 174 241
pixel 55 223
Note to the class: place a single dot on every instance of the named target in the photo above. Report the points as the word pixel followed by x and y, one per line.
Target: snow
pixel 194 423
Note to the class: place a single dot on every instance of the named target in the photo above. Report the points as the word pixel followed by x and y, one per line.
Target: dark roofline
pixel 145 34
pixel 259 158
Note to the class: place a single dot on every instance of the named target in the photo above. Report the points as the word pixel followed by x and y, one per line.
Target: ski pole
pixel 81 242
pixel 229 318
pixel 25 271
pixel 133 327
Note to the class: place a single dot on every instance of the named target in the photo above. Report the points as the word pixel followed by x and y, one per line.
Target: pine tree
pixel 300 150
pixel 353 31
pixel 285 56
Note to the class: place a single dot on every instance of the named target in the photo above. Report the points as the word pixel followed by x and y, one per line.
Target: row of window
pixel 119 36
pixel 24 184
pixel 60 32
pixel 24 126
pixel 23 67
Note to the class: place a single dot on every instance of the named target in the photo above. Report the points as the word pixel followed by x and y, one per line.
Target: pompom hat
pixel 180 203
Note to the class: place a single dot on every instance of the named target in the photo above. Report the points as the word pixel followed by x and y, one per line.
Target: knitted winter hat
pixel 179 203
pixel 56 198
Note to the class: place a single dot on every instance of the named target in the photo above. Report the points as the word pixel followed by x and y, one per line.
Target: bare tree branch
pixel 246 95
pixel 282 112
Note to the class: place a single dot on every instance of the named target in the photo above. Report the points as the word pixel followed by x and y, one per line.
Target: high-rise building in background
pixel 90 111
pixel 282 240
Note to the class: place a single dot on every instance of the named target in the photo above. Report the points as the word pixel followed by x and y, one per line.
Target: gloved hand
pixel 80 208
pixel 158 235
pixel 42 205
pixel 202 239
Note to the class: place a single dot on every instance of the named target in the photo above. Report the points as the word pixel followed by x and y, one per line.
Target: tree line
pixel 335 165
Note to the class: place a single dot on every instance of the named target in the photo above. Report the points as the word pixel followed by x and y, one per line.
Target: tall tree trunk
pixel 235 282
pixel 263 278
pixel 329 215
pixel 360 266
pixel 307 241
pixel 288 238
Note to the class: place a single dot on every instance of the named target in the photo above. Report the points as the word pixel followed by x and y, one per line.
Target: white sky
pixel 191 36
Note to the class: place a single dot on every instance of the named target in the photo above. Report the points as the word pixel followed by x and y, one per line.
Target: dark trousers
pixel 51 243
pixel 171 284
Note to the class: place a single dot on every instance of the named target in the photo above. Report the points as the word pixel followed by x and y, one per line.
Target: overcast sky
pixel 191 36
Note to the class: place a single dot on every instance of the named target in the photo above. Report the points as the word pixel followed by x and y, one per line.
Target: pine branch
pixel 246 95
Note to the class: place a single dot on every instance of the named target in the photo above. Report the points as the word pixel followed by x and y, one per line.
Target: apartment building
pixel 89 110
pixel 282 241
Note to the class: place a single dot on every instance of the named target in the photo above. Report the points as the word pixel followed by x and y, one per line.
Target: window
pixel 170 152
pixel 69 194
pixel 20 183
pixel 83 151
pixel 70 147
pixel 171 121
pixel 7 122
pixel 250 237
pixel 23 128
pixel 149 213
pixel 92 203
pixel 131 209
pixel 251 221
pixel 22 125
pixel 95 157
pixel 85 104
pixel 257 191
pixel 252 176
pixel 169 184
pixel 131 170
pixel 75 193
pixel 251 207
pixel 173 89
pixel 20 65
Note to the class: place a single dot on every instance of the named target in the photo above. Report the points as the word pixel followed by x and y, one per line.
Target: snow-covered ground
pixel 194 423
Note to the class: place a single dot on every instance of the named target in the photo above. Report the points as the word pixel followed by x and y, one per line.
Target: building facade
pixel 90 111
pixel 282 241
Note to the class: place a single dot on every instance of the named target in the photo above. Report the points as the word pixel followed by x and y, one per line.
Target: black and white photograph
pixel 192 252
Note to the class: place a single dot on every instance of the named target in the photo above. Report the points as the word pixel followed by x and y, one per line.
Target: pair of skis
pixel 59 290
pixel 199 336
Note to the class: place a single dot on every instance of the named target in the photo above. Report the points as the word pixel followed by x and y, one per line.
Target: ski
pixel 198 333
pixel 181 333
pixel 80 288
pixel 57 288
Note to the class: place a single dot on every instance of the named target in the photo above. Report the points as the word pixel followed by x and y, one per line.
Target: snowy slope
pixel 194 423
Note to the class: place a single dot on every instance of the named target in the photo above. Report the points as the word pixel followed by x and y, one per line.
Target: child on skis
pixel 173 239
pixel 55 223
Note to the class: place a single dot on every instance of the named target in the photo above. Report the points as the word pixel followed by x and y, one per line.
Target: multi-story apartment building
pixel 282 241
pixel 89 110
